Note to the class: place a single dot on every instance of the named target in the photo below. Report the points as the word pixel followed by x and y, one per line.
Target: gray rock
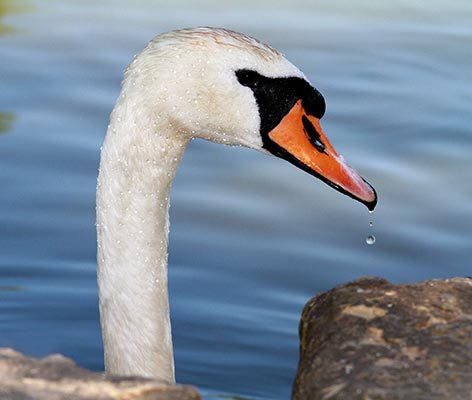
pixel 59 378
pixel 370 339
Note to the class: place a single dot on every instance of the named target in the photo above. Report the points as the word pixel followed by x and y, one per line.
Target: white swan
pixel 194 83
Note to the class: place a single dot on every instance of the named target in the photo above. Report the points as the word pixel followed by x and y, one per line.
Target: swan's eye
pixel 249 78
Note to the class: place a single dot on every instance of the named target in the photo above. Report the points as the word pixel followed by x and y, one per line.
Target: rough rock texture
pixel 370 339
pixel 59 378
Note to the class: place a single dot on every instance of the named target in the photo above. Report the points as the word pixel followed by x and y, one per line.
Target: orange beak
pixel 300 140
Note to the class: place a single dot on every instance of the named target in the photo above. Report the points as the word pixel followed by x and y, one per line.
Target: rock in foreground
pixel 59 378
pixel 370 339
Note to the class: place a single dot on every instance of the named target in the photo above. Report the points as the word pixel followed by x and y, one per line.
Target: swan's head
pixel 229 88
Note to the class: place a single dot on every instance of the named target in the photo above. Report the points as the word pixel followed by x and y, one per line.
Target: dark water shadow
pixel 232 397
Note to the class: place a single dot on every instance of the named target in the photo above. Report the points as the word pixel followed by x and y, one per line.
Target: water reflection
pixel 11 289
pixel 6 121
pixel 6 7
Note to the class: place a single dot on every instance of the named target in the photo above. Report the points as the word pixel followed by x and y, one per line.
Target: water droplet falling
pixel 371 238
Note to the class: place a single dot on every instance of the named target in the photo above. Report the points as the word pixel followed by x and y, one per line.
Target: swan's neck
pixel 138 163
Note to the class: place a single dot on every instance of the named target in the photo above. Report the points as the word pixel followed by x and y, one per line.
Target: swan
pixel 208 83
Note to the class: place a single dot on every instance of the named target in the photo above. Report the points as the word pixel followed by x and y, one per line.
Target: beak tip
pixel 370 204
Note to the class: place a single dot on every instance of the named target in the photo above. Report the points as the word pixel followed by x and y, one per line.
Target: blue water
pixel 252 237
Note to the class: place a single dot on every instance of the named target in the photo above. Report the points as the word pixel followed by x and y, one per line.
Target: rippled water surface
pixel 252 237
